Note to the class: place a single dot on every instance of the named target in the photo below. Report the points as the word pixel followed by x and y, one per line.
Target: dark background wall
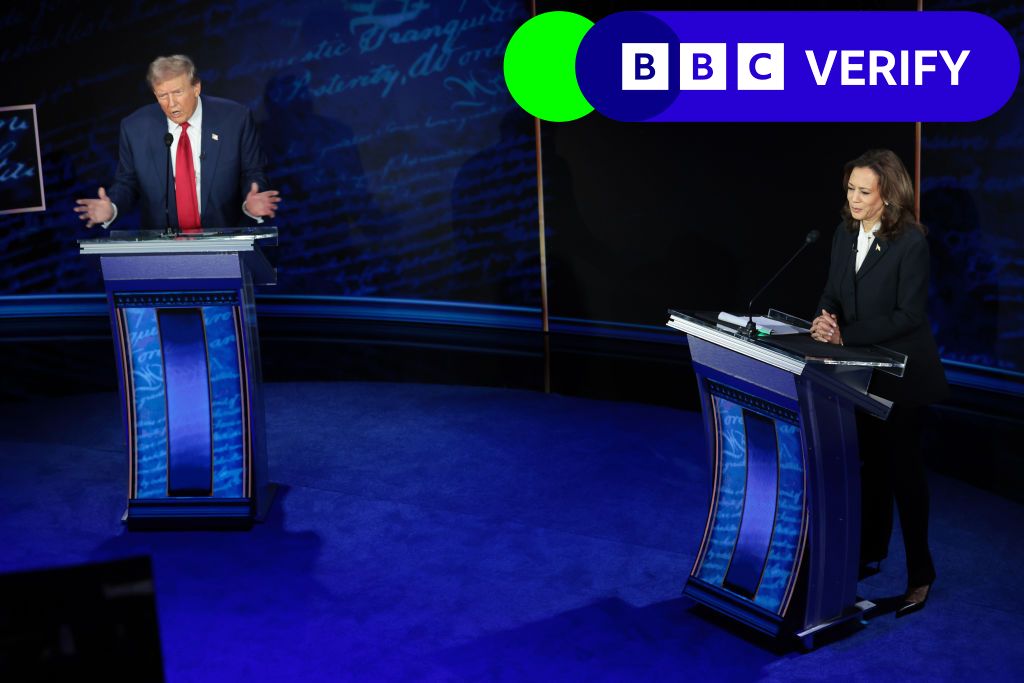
pixel 643 218
pixel 699 216
pixel 408 172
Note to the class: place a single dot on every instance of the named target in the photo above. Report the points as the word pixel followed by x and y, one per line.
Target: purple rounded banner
pixel 797 66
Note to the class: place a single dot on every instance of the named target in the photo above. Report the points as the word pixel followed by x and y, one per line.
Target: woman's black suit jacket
pixel 886 303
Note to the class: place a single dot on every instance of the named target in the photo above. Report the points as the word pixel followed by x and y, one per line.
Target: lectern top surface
pixel 156 241
pixel 240 234
pixel 785 350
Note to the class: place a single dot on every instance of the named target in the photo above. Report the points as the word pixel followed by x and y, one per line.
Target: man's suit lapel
pixel 210 151
pixel 157 152
pixel 876 253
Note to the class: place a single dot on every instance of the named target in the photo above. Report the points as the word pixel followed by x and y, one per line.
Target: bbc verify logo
pixel 703 66
pixel 765 66
pixel 762 66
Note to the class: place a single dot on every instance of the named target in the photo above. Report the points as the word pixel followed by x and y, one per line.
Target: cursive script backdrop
pixel 408 172
pixel 404 167
pixel 972 198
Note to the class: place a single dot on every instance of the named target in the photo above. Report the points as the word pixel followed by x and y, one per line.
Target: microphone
pixel 751 329
pixel 168 141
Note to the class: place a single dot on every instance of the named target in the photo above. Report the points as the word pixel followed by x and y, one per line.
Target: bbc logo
pixel 702 66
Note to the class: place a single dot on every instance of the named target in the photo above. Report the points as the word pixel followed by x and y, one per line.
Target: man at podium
pixel 877 293
pixel 191 162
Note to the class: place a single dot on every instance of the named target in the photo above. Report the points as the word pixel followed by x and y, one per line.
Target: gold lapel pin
pixel 214 136
pixel 877 247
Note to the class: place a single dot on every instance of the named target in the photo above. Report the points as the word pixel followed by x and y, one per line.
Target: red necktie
pixel 185 185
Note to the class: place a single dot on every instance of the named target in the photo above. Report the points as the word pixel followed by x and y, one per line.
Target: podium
pixel 188 363
pixel 780 549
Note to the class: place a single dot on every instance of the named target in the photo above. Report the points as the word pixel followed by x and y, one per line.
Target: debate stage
pixel 432 532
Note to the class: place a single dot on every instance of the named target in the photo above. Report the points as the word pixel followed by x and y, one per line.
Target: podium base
pixel 809 637
pixel 185 513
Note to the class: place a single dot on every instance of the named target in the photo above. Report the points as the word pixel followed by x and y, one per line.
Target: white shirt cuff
pixel 112 218
pixel 255 218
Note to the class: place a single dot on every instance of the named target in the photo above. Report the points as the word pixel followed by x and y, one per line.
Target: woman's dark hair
pixel 895 187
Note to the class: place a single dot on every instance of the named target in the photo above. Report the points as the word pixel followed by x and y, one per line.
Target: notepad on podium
pixel 764 324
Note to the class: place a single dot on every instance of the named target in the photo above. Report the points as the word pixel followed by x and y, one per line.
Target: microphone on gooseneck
pixel 751 329
pixel 168 141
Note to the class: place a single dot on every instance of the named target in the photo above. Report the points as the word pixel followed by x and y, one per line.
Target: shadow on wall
pixel 324 188
pixel 964 284
pixel 494 218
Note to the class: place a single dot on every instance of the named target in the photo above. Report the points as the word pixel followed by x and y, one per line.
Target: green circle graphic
pixel 540 66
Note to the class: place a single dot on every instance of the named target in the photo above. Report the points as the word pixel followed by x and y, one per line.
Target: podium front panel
pixel 186 395
pixel 780 547
pixel 750 556
pixel 183 315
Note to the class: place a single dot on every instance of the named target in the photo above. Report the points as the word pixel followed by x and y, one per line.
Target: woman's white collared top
pixel 864 242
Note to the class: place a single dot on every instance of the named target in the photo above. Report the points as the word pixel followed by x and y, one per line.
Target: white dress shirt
pixel 864 242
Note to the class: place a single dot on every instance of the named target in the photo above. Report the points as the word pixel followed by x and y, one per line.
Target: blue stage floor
pixel 449 533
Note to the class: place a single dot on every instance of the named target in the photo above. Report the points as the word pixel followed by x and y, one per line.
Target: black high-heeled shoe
pixel 914 600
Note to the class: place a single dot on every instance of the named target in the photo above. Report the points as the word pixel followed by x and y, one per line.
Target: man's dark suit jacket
pixel 886 303
pixel 230 163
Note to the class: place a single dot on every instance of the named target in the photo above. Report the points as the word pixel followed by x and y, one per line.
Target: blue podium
pixel 187 352
pixel 780 549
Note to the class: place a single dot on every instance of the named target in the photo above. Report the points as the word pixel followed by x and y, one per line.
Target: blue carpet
pixel 446 533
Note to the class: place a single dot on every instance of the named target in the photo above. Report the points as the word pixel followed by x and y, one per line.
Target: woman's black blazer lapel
pixel 876 253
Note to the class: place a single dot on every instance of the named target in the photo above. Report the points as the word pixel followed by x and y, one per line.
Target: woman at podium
pixel 877 293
